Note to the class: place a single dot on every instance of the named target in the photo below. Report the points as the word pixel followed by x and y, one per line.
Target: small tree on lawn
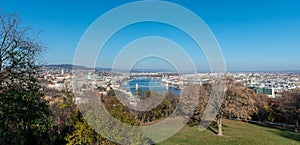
pixel 238 102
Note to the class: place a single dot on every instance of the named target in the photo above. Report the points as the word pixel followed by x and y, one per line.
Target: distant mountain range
pixel 71 66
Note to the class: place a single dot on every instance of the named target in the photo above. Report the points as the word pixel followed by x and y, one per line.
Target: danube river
pixel 154 85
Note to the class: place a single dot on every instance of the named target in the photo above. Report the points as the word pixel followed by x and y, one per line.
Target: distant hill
pixel 70 66
pixel 103 69
pixel 65 66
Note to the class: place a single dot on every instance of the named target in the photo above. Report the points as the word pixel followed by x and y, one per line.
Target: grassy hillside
pixel 235 133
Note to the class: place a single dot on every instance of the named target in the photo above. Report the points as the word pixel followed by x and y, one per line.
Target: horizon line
pixel 168 70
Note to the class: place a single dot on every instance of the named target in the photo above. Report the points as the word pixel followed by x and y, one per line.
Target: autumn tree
pixel 263 108
pixel 64 114
pixel 238 102
pixel 202 102
pixel 163 110
pixel 275 111
pixel 291 108
pixel 23 112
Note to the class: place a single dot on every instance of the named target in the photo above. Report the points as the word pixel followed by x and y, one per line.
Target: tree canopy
pixel 23 112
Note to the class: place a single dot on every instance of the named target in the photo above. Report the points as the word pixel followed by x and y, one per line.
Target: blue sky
pixel 254 35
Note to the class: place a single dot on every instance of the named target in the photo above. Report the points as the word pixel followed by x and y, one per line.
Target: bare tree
pixel 23 112
pixel 19 48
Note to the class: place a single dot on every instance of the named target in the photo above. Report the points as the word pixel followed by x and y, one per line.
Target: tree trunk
pixel 219 122
pixel 296 126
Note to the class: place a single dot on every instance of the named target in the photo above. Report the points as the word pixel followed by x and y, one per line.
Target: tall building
pixel 62 71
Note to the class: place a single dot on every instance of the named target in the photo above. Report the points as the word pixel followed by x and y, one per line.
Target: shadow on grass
pixel 209 128
pixel 281 128
pixel 288 134
pixel 282 131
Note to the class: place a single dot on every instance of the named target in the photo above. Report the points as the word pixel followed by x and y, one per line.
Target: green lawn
pixel 235 132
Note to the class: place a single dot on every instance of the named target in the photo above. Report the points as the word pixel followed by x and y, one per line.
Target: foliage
pixel 291 107
pixel 238 102
pixel 64 114
pixel 285 109
pixel 164 109
pixel 23 112
pixel 202 103
pixel 83 133
pixel 23 117
pixel 100 88
pixel 263 112
pixel 111 92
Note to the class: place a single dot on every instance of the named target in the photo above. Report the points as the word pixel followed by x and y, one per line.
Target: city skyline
pixel 254 36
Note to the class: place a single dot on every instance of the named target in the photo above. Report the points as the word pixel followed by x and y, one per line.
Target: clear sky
pixel 253 34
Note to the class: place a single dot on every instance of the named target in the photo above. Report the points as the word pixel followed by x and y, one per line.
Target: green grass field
pixel 235 133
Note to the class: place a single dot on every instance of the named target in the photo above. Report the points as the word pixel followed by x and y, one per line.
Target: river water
pixel 154 85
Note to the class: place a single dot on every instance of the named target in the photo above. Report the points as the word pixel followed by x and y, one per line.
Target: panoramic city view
pixel 149 72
